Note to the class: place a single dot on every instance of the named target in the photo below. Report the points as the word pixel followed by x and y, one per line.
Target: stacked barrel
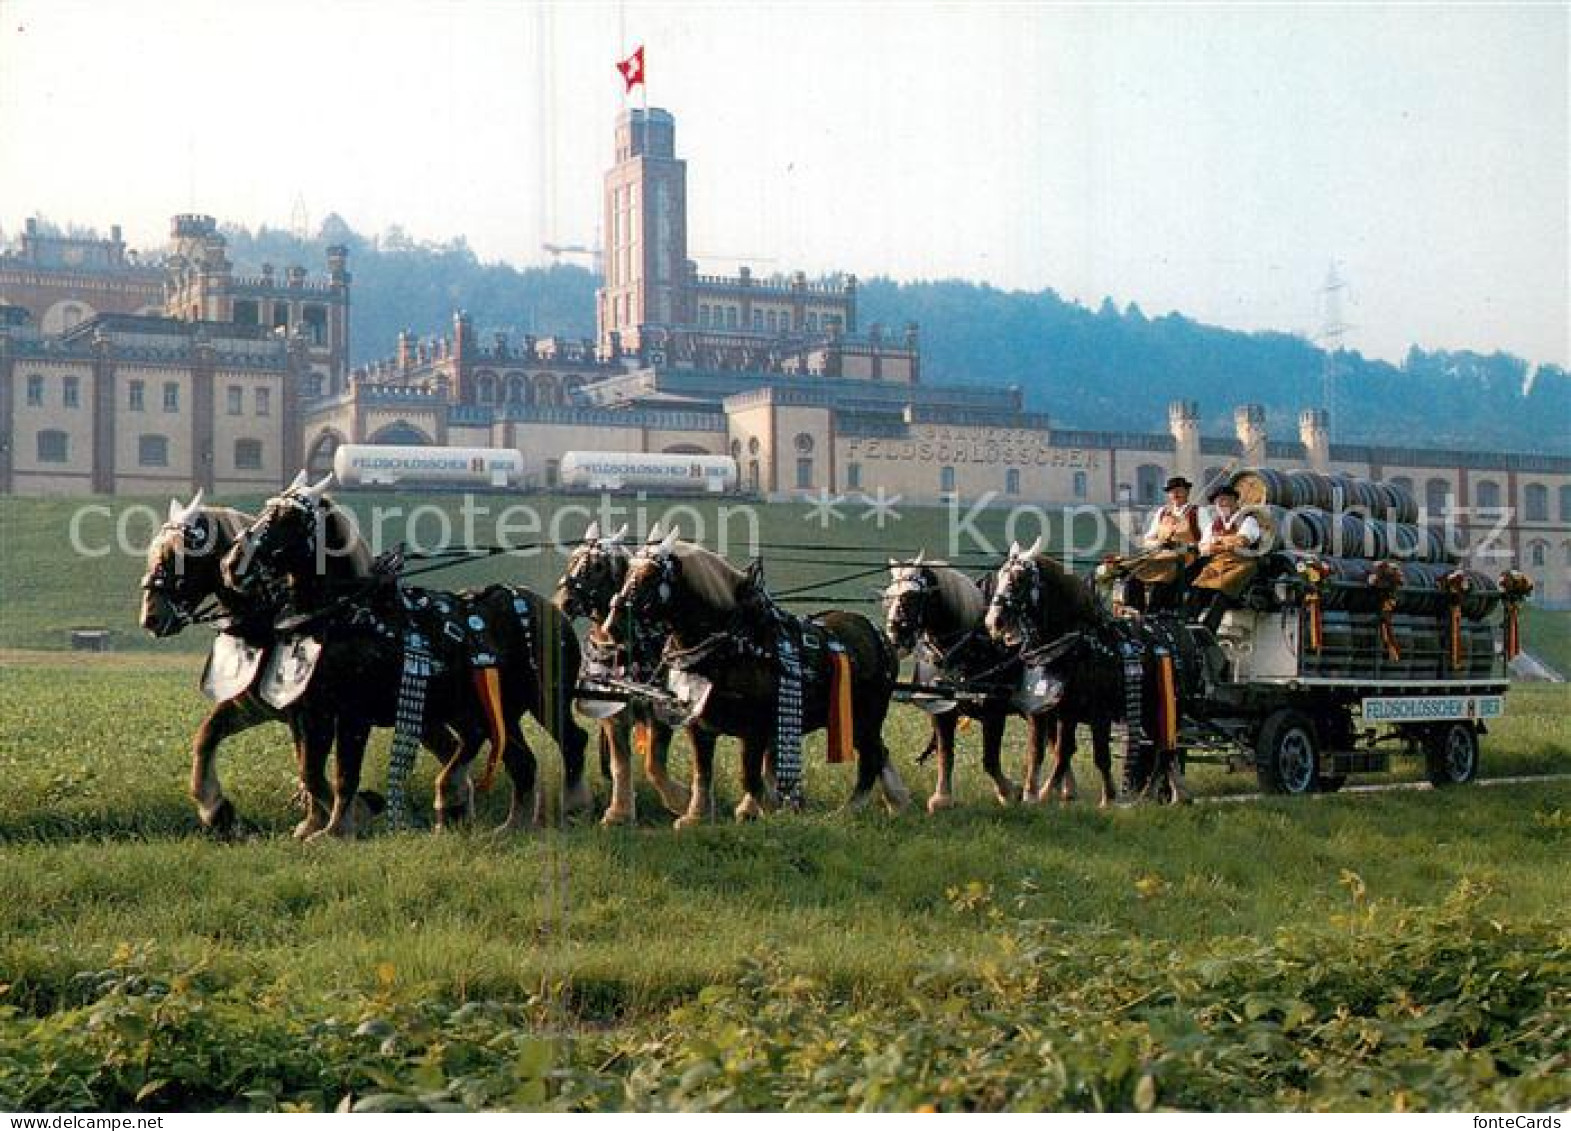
pixel 1348 524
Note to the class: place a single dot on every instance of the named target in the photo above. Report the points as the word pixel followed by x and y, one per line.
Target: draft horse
pixel 937 612
pixel 304 553
pixel 1043 609
pixel 595 571
pixel 723 629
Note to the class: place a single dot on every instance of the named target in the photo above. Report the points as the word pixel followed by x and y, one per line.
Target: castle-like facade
pixel 780 373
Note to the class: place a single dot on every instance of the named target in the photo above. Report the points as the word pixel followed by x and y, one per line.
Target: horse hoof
pixel 615 817
pixel 577 799
pixel 307 829
pixel 748 809
pixel 221 821
pixel 688 821
pixel 1008 794
pixel 449 819
pixel 940 801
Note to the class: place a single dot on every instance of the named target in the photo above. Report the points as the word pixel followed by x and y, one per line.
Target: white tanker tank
pixel 379 465
pixel 647 471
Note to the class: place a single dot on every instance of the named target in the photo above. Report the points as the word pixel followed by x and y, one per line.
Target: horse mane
pixel 1067 601
pixel 962 597
pixel 712 579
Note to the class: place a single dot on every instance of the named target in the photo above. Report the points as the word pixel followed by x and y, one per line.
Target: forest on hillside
pixel 1101 368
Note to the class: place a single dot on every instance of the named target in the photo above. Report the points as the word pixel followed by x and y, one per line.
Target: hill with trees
pixel 1102 368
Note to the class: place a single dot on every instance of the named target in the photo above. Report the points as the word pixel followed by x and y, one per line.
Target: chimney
pixel 1250 422
pixel 1314 430
pixel 1183 422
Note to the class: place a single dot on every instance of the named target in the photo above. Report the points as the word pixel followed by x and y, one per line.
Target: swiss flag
pixel 632 69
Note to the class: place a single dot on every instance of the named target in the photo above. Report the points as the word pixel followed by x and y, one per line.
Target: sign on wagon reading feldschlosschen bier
pixel 1432 708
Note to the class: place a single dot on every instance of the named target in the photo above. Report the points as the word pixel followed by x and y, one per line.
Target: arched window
pixel 753 446
pixel 736 449
pixel 485 388
pixel 248 455
pixel 54 446
pixel 152 451
pixel 1437 499
pixel 515 388
pixel 1403 482
pixel 71 315
pixel 1535 502
pixel 1149 478
pixel 1486 496
pixel 400 432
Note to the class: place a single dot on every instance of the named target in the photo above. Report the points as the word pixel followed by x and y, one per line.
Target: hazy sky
pixel 1210 160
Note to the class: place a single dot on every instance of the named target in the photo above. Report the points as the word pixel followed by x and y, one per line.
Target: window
pixel 736 449
pixel 1437 499
pixel 171 396
pixel 553 472
pixel 1148 482
pixel 314 319
pixel 246 312
pixel 236 400
pixel 53 446
pixel 772 321
pixel 730 317
pixel 1535 500
pixel 1081 485
pixel 703 314
pixel 136 394
pixel 35 389
pixel 248 455
pixel 281 315
pixel 264 402
pixel 1538 554
pixel 946 475
pixel 812 322
pixel 752 474
pixel 153 451
pixel 752 446
pixel 1402 482
pixel 1012 481
pixel 1488 495
pixel 758 320
pixel 854 476
pixel 71 392
pixel 804 472
pixel 1565 504
pixel 72 315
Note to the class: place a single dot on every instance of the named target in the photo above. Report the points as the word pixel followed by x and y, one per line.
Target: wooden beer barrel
pixel 1311 489
pixel 1259 486
pixel 1396 502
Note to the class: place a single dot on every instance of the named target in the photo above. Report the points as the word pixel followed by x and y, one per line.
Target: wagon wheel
pixel 1287 757
pixel 1451 754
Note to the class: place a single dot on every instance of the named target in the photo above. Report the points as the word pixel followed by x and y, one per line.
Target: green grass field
pixel 1406 950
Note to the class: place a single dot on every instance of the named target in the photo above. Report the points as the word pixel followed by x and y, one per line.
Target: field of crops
pixel 1402 950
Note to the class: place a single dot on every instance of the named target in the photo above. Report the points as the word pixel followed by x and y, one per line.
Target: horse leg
pixel 313 736
pixel 700 800
pixel 1031 788
pixel 944 735
pixel 616 735
pixel 455 788
pixel 1102 755
pixel 350 749
pixel 1006 790
pixel 216 811
pixel 673 794
pixel 1061 778
pixel 519 759
pixel 751 807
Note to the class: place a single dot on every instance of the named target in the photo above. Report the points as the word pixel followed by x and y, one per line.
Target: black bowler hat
pixel 1176 482
pixel 1225 489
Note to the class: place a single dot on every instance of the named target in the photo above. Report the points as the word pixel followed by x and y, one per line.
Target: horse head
pixel 1017 596
pixel 594 573
pixel 288 545
pixel 909 601
pixel 182 564
pixel 645 597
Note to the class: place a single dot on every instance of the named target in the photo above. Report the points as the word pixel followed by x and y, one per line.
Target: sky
pixel 1213 160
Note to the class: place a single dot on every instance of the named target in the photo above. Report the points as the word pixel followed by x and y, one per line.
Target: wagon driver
pixel 1157 574
pixel 1230 552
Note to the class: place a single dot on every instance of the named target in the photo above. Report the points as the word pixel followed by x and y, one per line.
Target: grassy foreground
pixel 1406 950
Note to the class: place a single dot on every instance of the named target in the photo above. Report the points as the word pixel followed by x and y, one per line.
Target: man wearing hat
pixel 1230 554
pixel 1169 547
